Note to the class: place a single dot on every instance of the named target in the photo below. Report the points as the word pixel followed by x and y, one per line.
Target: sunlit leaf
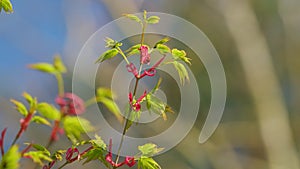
pixel 134 116
pixel 44 67
pixel 98 152
pixel 109 42
pixel 41 154
pixel 6 6
pixel 76 126
pixel 153 19
pixel 147 163
pixel 98 142
pixel 20 107
pixel 58 155
pixel 112 107
pixel 107 55
pixel 156 105
pixel 104 92
pixel 48 111
pixel 105 96
pixel 38 156
pixel 40 120
pixel 59 65
pixel 11 158
pixel 133 50
pixel 133 17
pixel 94 154
pixel 41 148
pixel 182 72
pixel 180 55
pixel 162 41
pixel 28 97
pixel 163 49
pixel 31 101
pixel 149 149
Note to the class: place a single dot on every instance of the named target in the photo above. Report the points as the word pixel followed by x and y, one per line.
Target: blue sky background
pixel 34 33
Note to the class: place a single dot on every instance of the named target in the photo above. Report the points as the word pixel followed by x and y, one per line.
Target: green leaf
pixel 134 117
pixel 110 43
pixel 147 163
pixel 133 50
pixel 162 41
pixel 112 107
pixel 31 101
pixel 40 148
pixel 40 120
pixel 59 65
pixel 76 126
pixel 98 152
pixel 38 156
pixel 163 49
pixel 153 19
pixel 107 55
pixel 180 54
pixel 11 158
pixel 133 17
pixel 6 5
pixel 28 98
pixel 182 72
pixel 104 92
pixel 20 107
pixel 44 67
pixel 48 111
pixel 156 106
pixel 98 142
pixel 58 155
pixel 94 154
pixel 149 149
pixel 105 96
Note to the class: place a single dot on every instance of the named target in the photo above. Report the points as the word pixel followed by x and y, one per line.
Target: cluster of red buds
pixel 144 59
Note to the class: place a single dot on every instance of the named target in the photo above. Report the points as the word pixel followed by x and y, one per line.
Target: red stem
pixel 26 149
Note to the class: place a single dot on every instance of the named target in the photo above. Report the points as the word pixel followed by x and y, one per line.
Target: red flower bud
pixel 137 105
pixel 130 161
pixel 69 154
pixel 144 55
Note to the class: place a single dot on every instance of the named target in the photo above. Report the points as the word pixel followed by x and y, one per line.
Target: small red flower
pixel 69 155
pixel 130 161
pixel 136 105
pixel 71 104
pixel 131 68
pixel 152 71
pixel 144 55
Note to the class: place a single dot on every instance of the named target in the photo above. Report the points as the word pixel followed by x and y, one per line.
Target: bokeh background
pixel 258 43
